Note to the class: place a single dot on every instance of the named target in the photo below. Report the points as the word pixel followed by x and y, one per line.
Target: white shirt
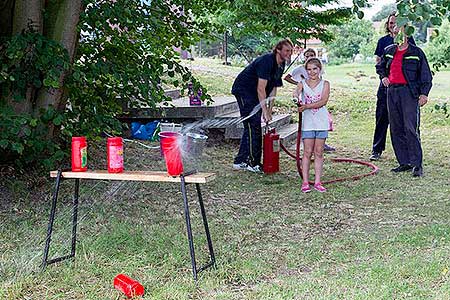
pixel 298 72
pixel 316 118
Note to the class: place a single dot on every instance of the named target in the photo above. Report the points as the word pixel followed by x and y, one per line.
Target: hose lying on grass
pixel 374 169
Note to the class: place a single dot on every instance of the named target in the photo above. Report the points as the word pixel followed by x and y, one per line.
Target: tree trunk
pixel 24 14
pixel 6 14
pixel 62 27
pixel 28 13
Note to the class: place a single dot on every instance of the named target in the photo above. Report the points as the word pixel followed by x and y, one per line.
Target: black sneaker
pixel 375 156
pixel 417 171
pixel 402 168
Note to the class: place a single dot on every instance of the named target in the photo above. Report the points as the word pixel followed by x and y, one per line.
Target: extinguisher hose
pixel 298 158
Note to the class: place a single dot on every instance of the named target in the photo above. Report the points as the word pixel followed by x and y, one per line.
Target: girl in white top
pixel 312 95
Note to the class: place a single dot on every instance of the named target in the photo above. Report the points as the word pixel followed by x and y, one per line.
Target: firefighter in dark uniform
pixel 252 87
pixel 381 114
pixel 404 70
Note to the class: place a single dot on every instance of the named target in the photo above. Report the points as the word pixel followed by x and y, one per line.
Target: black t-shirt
pixel 264 67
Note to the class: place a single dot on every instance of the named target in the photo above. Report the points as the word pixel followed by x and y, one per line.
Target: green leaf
pixel 3 144
pixel 17 147
pixel 401 21
pixel 436 21
pixel 409 30
pixel 27 131
pixel 360 14
pixel 33 122
pixel 360 3
pixel 58 120
pixel 47 82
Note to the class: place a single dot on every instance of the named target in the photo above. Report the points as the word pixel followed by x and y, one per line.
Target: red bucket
pixel 172 152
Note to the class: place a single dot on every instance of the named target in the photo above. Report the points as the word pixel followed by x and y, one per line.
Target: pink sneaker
pixel 306 188
pixel 319 187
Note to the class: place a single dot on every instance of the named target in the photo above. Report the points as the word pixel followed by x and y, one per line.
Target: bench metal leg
pixel 45 260
pixel 188 227
pixel 212 261
pixel 75 216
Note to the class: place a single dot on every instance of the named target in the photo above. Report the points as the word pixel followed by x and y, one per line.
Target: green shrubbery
pixel 28 62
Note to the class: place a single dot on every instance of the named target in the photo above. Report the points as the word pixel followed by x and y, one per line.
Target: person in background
pixel 298 74
pixel 256 84
pixel 405 72
pixel 312 95
pixel 381 113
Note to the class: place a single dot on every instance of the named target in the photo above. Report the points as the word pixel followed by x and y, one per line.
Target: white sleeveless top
pixel 317 118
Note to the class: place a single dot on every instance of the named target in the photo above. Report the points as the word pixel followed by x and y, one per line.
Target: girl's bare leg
pixel 308 148
pixel 318 159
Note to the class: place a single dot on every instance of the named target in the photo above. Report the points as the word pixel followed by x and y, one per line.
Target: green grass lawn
pixel 382 237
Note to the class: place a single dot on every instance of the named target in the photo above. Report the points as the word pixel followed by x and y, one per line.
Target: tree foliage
pixel 414 11
pixel 254 25
pixel 384 12
pixel 438 51
pixel 350 38
pixel 124 54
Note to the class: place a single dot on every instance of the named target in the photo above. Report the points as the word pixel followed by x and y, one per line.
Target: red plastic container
pixel 172 152
pixel 79 154
pixel 130 287
pixel 114 153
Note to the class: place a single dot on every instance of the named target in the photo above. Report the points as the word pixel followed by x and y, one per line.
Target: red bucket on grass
pixel 171 151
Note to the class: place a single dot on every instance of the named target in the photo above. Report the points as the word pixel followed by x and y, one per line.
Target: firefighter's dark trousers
pixel 404 119
pixel 381 121
pixel 250 149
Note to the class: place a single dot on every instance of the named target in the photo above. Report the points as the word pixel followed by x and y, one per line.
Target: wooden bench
pixel 151 176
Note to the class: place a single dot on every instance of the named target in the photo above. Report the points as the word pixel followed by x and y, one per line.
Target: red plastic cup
pixel 171 152
pixel 130 287
pixel 162 135
pixel 79 154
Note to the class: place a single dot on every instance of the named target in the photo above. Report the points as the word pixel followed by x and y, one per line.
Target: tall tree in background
pixel 350 38
pixel 69 66
pixel 438 50
pixel 254 25
pixel 420 25
pixel 384 12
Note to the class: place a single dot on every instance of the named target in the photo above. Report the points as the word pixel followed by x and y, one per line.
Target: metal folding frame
pixel 195 271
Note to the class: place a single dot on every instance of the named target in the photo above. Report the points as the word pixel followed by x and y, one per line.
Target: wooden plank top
pixel 154 176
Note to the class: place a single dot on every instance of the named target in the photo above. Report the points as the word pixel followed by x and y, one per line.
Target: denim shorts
pixel 314 134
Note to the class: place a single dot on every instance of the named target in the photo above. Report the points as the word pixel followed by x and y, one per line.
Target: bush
pixel 438 50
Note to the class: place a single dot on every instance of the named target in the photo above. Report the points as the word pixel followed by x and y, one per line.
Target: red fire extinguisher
pixel 271 154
